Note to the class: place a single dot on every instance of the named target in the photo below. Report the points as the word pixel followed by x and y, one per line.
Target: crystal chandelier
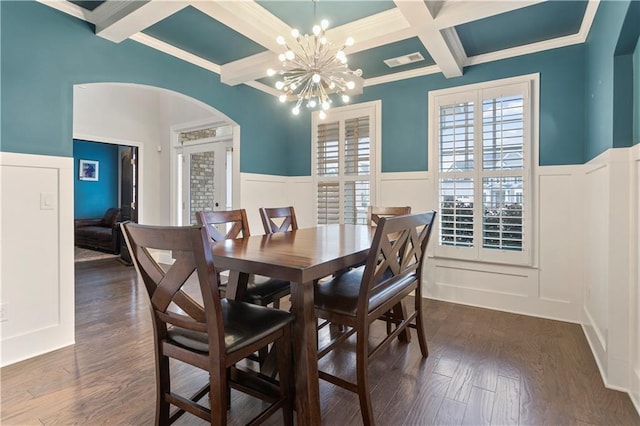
pixel 313 70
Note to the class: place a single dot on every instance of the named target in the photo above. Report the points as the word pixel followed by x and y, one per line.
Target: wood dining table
pixel 301 257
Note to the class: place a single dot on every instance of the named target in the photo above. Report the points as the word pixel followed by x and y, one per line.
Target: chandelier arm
pixel 314 70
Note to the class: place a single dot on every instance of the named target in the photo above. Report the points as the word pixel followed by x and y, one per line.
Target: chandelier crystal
pixel 313 70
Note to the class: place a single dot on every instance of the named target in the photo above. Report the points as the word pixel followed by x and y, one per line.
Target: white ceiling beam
pixel 444 47
pixel 169 49
pixel 131 17
pixel 247 69
pixel 452 13
pixel 67 7
pixel 372 31
pixel 369 32
pixel 247 18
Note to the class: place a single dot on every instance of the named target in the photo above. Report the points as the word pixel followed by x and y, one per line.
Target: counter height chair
pixel 278 219
pixel 360 296
pixel 260 290
pixel 213 336
pixel 374 213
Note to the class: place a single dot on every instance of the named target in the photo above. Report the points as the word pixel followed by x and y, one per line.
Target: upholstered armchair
pixel 99 234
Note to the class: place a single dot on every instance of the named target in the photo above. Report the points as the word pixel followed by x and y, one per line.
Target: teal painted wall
pixel 622 101
pixel 92 198
pixel 45 52
pixel 299 141
pixel 636 93
pixel 405 111
pixel 600 78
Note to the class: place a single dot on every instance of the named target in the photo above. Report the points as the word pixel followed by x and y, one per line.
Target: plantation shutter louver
pixel 343 167
pixel 503 153
pixel 456 143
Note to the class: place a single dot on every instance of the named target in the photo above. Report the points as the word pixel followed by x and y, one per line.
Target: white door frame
pixel 175 146
pixel 219 148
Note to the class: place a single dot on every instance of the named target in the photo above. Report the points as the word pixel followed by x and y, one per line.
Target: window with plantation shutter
pixel 343 166
pixel 481 145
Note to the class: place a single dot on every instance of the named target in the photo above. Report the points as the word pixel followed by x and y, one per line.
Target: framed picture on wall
pixel 88 170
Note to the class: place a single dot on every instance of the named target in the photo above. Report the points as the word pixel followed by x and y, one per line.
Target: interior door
pixel 129 183
pixel 206 179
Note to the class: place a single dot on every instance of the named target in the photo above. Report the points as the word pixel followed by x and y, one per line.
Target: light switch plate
pixel 47 201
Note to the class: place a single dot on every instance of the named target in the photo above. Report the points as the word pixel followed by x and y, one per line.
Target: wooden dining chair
pixel 374 213
pixel 260 290
pixel 278 219
pixel 360 296
pixel 212 336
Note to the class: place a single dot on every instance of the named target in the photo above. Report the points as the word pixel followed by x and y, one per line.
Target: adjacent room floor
pixel 484 367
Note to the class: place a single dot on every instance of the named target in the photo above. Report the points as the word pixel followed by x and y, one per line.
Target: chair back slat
pixel 278 219
pixel 397 251
pixel 374 213
pixel 236 218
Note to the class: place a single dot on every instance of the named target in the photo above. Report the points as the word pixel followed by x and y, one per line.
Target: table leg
pixel 237 285
pixel 305 348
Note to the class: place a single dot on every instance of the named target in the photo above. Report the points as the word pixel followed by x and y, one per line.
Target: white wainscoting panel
pixel 37 255
pixel 257 191
pixel 619 279
pixel 550 287
pixel 413 189
pixel 596 262
pixel 611 266
pixel 301 196
pixel 634 299
pixel 560 249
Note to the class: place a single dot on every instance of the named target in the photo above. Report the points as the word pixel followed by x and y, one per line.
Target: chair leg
pixel 362 377
pixel 163 387
pixel 420 329
pixel 285 362
pixel 218 396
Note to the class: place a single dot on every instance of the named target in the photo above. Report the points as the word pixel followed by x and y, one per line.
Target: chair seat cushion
pixel 266 290
pixel 340 295
pixel 263 290
pixel 244 324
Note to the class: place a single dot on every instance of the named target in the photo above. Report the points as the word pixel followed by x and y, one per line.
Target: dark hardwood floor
pixel 485 367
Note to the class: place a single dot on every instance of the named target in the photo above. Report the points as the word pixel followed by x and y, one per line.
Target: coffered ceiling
pixel 237 38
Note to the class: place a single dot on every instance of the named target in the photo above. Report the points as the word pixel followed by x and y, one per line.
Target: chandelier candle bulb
pixel 313 69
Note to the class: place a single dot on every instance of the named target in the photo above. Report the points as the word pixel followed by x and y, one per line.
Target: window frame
pixel 495 88
pixel 374 110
